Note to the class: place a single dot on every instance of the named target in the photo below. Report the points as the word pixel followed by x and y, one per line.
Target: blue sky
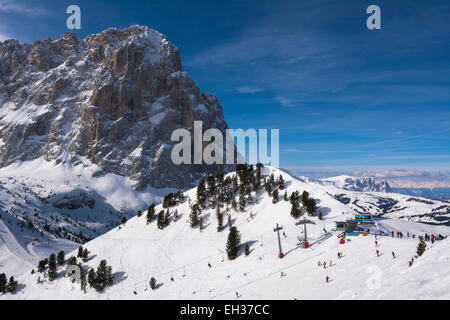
pixel 345 98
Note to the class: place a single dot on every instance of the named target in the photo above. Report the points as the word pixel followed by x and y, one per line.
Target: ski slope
pixel 42 191
pixel 137 252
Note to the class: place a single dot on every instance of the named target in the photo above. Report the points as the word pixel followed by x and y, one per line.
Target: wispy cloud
pixel 249 89
pixel 27 9
pixel 4 36
pixel 286 101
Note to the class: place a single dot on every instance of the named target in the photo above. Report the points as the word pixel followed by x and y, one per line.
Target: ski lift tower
pixel 277 230
pixel 304 239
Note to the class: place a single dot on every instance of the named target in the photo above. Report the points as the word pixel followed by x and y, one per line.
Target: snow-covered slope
pixel 137 251
pixel 46 207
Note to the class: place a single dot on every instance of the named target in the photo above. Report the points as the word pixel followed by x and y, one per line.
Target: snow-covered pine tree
pixel 12 285
pixel 233 243
pixel 52 267
pixel 275 196
pixel 310 205
pixel 305 197
pixel 421 247
pixel 150 213
pixel 60 258
pixel 80 252
pixel 153 283
pixel 194 215
pixel 201 194
pixel 160 220
pixel 3 282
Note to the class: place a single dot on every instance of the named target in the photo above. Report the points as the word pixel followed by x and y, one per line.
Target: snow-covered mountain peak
pixel 100 99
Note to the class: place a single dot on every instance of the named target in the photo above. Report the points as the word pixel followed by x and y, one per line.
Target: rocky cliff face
pixel 111 99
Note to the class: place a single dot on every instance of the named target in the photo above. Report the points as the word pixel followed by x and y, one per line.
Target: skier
pixel 135 292
pixel 331 263
pixel 339 255
pixel 209 264
pixel 319 264
pixel 327 279
pixel 392 234
pixel 171 279
pixel 376 243
pixel 393 254
pixel 324 265
pixel 237 294
pixel 407 234
pixel 378 253
pixel 282 274
pixel 284 234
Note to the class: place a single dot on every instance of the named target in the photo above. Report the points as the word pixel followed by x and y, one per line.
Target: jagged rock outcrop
pixel 111 99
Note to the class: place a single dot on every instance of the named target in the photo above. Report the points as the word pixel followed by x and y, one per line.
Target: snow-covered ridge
pixel 361 184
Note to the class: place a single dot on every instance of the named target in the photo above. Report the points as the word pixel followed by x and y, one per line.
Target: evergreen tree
pixel 153 283
pixel 219 216
pixel 211 186
pixel 160 222
pixel 3 282
pixel 72 261
pixel 167 218
pixel 52 267
pixel 229 221
pixel 83 283
pixel 139 213
pixel 80 252
pixel 104 276
pixel 305 197
pixel 280 182
pixel 85 254
pixel 310 205
pixel 42 265
pixel 175 215
pixel 150 213
pixel 247 250
pixel 201 194
pixel 92 278
pixel 275 196
pixel 60 258
pixel 101 278
pixel 242 202
pixel 12 285
pixel 320 215
pixel 421 246
pixel 233 243
pixel 194 217
pixel 285 196
pixel 295 210
pixel 124 220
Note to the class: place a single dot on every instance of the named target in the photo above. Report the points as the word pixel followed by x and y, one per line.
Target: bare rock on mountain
pixel 111 99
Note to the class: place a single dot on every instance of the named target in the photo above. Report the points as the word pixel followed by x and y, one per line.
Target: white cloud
pixel 249 89
pixel 285 101
pixel 7 6
pixel 4 36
